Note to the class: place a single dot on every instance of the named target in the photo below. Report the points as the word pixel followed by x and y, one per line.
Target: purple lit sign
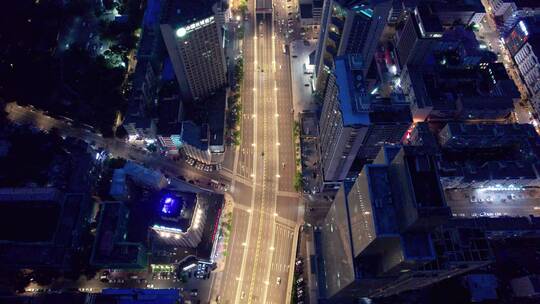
pixel 168 205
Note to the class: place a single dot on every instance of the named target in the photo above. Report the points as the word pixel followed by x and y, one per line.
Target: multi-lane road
pixel 258 267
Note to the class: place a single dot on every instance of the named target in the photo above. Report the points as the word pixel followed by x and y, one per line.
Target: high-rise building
pixel 375 229
pixel 420 33
pixel 396 229
pixel 523 42
pixel 349 27
pixel 194 42
pixel 353 122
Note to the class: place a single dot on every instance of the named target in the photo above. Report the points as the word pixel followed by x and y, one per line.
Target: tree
pixel 243 7
pixel 298 181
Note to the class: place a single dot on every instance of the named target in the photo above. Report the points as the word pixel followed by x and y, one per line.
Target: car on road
pixel 278 281
pixel 243 295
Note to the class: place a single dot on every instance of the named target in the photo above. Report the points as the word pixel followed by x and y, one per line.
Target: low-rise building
pixel 472 90
pixel 145 177
pixel 41 227
pixel 508 12
pixel 135 296
pixel 204 140
pixel 190 221
pixel 526 287
pixel 111 248
pixel 140 128
pixel 119 189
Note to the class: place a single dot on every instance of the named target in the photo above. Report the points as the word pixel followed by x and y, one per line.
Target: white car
pixel 278 281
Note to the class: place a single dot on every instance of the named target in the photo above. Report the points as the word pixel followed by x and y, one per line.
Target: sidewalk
pixel 307 251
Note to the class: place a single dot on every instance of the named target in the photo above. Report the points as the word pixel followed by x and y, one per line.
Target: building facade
pixel 353 123
pixel 523 42
pixel 420 34
pixel 353 27
pixel 194 41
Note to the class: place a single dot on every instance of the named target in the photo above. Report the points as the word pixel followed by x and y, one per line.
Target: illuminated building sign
pixel 183 31
pixel 168 205
pixel 165 229
pixel 523 28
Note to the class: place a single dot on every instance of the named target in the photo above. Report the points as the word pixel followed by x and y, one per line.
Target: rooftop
pixel 423 177
pixel 176 210
pixel 426 22
pixel 209 129
pixel 306 11
pixel 39 226
pixel 380 191
pixel 29 221
pixel 110 247
pixel 357 106
pixel 455 135
pixel 138 296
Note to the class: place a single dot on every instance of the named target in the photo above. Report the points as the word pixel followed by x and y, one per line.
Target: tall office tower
pixel 420 33
pixel 194 43
pixel 397 229
pixel 353 122
pixel 376 228
pixel 349 27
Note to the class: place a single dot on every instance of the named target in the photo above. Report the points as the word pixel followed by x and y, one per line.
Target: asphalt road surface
pixel 262 241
